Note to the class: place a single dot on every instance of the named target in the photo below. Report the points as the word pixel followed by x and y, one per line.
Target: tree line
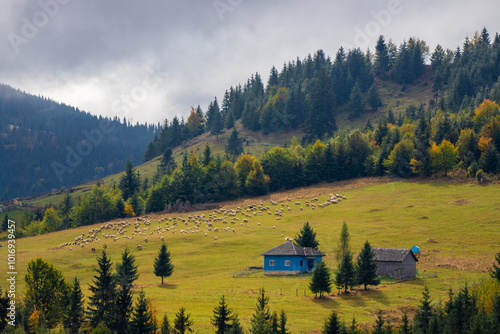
pixel 308 93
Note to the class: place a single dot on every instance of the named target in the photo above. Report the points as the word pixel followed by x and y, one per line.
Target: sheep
pixel 162 239
pixel 215 238
pixel 139 247
pixel 145 239
pixel 93 250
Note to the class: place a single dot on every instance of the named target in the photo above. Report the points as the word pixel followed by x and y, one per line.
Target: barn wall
pixel 406 268
pixel 409 266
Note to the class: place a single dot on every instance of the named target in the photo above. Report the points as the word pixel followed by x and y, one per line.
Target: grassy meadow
pixel 456 226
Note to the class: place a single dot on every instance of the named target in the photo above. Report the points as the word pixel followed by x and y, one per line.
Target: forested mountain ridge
pixel 46 145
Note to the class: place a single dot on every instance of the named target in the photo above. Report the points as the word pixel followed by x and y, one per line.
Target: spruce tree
pixel 495 271
pixel 234 147
pixel 343 244
pixel 259 324
pixel 165 326
pixel 5 223
pixel 142 317
pixel 273 322
pixel 101 300
pixel 182 322
pixel 307 237
pixel 332 324
pixel 207 155
pixel 74 315
pixel 129 181
pixel 405 324
pixel 282 329
pixel 167 162
pixel 345 277
pixel 222 316
pixel 127 269
pixel 320 280
pixel 235 327
pixel 374 99
pixel 4 304
pixel 379 324
pixel 424 312
pixel 261 310
pixel 367 267
pixel 163 266
pixel 356 102
pixel 229 122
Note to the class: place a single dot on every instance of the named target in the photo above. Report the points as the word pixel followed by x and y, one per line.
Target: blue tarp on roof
pixel 415 249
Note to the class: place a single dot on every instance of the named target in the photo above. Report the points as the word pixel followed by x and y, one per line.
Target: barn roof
pixel 290 248
pixel 392 254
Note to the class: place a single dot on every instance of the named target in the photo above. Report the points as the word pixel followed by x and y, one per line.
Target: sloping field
pixel 457 228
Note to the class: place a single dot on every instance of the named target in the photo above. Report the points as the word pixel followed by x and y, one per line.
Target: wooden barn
pixel 290 259
pixel 394 262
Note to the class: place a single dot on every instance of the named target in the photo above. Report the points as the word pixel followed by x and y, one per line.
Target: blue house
pixel 290 259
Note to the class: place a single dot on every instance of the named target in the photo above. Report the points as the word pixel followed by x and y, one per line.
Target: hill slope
pixel 46 145
pixel 388 214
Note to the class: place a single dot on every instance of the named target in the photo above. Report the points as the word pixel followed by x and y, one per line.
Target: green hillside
pixel 457 228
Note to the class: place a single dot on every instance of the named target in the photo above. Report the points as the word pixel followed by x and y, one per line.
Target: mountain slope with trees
pixel 46 145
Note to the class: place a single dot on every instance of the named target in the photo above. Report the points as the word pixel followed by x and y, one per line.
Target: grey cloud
pixel 93 53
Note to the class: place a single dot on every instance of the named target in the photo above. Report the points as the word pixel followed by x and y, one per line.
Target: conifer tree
pixel 163 266
pixel 4 305
pixel 425 310
pixel 74 315
pixel 495 271
pixel 356 101
pixel 405 324
pixel 367 267
pixel 182 322
pixel 167 161
pixel 222 316
pixel 307 237
pixel 332 325
pixel 282 329
pixel 101 300
pixel 127 269
pixel 234 147
pixel 5 223
pixel 236 327
pixel 320 280
pixel 207 155
pixel 165 326
pixel 129 182
pixel 229 121
pixel 142 317
pixel 345 277
pixel 343 244
pixel 374 99
pixel 259 323
pixel 273 322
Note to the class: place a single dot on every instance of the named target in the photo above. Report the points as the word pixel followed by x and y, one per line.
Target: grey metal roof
pixel 290 248
pixel 392 254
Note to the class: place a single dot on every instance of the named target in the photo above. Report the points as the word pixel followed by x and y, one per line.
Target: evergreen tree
pixel 142 321
pixel 282 329
pixel 127 269
pixel 129 181
pixel 207 156
pixel 374 97
pixel 4 305
pixel 356 102
pixel 165 326
pixel 229 121
pixel 273 322
pixel 307 237
pixel 5 223
pixel 333 325
pixel 495 271
pixel 382 60
pixel 320 280
pixel 150 152
pixel 405 324
pixel 490 159
pixel 163 266
pixel 368 126
pixel 126 274
pixel 367 267
pixel 234 147
pixel 101 300
pixel 320 100
pixel 343 244
pixel 182 322
pixel 222 316
pixel 345 277
pixel 235 327
pixel 262 301
pixel 425 311
pixel 74 315
pixel 65 207
pixel 379 324
pixel 167 162
pixel 259 323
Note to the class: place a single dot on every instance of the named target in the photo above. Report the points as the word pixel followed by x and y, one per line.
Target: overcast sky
pixel 152 59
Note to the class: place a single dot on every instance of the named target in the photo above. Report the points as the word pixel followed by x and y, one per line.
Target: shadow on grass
pixel 359 297
pixel 167 286
pixel 328 302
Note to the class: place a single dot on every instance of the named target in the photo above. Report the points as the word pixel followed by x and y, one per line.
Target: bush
pixel 480 176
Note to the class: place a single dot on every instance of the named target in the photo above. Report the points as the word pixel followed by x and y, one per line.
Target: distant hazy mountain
pixel 46 145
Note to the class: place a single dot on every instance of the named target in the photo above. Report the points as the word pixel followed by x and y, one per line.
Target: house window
pixel 301 263
pixel 271 263
pixel 287 263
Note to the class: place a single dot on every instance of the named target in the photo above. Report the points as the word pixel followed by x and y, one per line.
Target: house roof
pixel 392 254
pixel 290 248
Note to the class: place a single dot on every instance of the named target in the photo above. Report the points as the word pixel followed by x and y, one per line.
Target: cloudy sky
pixel 152 59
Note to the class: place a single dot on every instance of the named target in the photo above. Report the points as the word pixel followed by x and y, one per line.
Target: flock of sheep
pixel 226 220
